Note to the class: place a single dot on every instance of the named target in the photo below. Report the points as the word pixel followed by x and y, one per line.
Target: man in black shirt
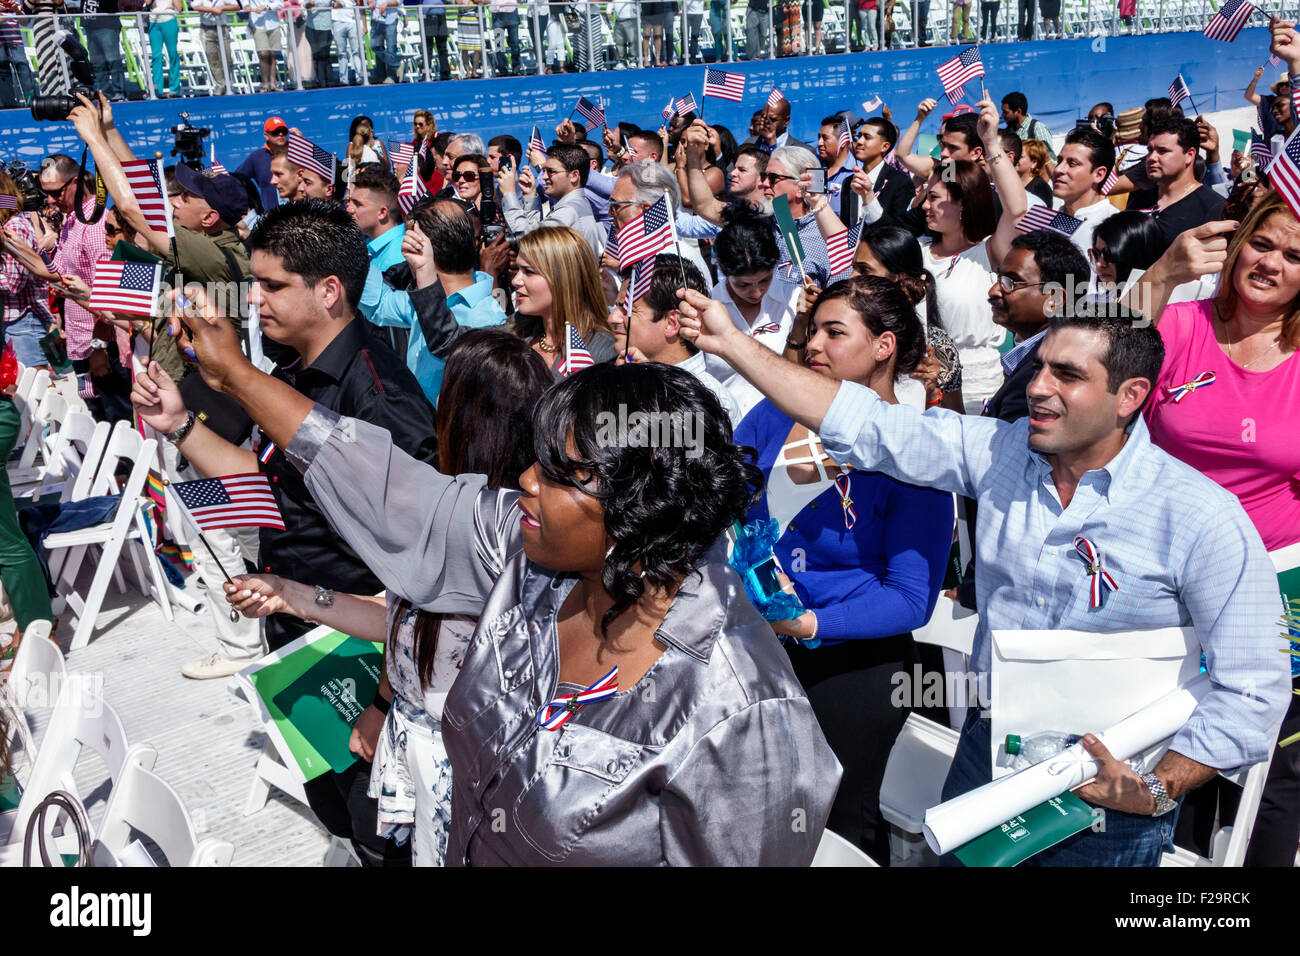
pixel 1182 202
pixel 309 266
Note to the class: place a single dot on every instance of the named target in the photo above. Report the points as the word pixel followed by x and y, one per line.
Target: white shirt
pixel 1092 217
pixel 962 293
pixel 777 308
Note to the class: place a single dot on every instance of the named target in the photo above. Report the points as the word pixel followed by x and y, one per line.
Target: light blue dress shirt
pixel 1180 548
pixel 389 15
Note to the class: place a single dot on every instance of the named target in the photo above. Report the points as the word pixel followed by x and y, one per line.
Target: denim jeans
pixel 989 20
pixel 867 20
pixel 349 51
pixel 508 23
pixel 383 40
pixel 104 47
pixel 160 35
pixel 719 24
pixel 1127 839
pixel 919 32
pixel 16 81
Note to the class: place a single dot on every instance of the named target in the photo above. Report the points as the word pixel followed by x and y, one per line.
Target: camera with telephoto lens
pixel 28 182
pixel 188 142
pixel 57 107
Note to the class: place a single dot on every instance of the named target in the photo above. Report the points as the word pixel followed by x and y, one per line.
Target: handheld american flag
pixel 126 287
pixel 1112 177
pixel 839 252
pixel 724 85
pixel 648 234
pixel 401 156
pixel 535 142
pixel 214 164
pixel 611 240
pixel 1044 217
pixel 1228 21
pixel 303 152
pixel 591 114
pixel 410 192
pixel 846 136
pixel 1178 91
pixel 685 104
pixel 1259 151
pixel 576 356
pixel 232 501
pixel 1274 59
pixel 668 112
pixel 1284 173
pixel 639 284
pixel 145 179
pixel 872 104
pixel 960 70
pixel 774 98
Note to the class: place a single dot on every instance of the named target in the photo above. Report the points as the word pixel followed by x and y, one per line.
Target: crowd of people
pixel 316 43
pixel 436 365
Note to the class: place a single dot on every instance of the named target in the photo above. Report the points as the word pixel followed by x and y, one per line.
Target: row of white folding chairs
pixel 80 721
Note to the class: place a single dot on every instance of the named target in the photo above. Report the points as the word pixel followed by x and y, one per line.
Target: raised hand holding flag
pixel 1228 21
pixel 724 85
pixel 1178 91
pixel 960 70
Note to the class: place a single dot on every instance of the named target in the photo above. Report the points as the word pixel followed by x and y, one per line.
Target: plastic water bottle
pixel 1027 751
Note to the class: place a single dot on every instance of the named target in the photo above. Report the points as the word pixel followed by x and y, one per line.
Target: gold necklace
pixel 545 345
pixel 1228 332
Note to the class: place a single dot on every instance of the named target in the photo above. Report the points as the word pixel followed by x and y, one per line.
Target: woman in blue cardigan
pixel 865 553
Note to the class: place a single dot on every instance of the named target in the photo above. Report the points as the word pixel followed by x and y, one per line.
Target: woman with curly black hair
pixel 866 553
pixel 621 700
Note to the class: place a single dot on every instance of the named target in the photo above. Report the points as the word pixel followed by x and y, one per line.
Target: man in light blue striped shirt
pixel 1179 547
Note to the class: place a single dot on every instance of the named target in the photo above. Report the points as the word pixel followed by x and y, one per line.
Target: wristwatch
pixel 98 344
pixel 1164 802
pixel 324 597
pixel 183 432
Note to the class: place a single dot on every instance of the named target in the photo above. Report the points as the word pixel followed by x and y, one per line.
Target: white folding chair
pixel 128 530
pixel 22 399
pixel 82 720
pixel 913 782
pixel 1228 844
pixel 952 627
pixel 47 426
pixel 39 669
pixel 144 802
pixel 72 461
pixel 31 410
pixel 834 850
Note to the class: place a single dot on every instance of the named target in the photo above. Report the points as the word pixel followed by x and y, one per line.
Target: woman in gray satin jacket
pixel 612 555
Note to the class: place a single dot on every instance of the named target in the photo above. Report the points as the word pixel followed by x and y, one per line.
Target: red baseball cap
pixel 961 108
pixel 274 123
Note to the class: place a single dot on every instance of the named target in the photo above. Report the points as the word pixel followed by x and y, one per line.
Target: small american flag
pixel 839 252
pixel 592 114
pixel 724 85
pixel 1228 21
pixel 145 179
pixel 232 501
pixel 1044 217
pixel 960 70
pixel 85 386
pixel 1284 173
pixel 668 112
pixel 642 273
pixel 648 234
pixel 303 152
pixel 401 155
pixel 774 98
pixel 576 356
pixel 127 287
pixel 535 142
pixel 846 135
pixel 611 240
pixel 1259 151
pixel 872 104
pixel 1113 176
pixel 1178 91
pixel 214 164
pixel 8 202
pixel 685 104
pixel 410 192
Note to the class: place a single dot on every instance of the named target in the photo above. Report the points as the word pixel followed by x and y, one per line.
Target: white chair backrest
pixel 39 669
pixel 28 405
pixel 143 801
pixel 82 720
pixel 834 850
pixel 81 446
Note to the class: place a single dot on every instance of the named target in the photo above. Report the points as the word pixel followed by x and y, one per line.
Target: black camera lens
pixel 52 108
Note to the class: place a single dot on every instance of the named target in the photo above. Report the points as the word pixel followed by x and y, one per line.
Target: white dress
pixel 962 285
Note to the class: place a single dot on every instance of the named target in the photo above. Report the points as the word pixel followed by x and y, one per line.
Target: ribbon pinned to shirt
pixel 765 327
pixel 1096 568
pixel 557 713
pixel 843 487
pixel 1179 392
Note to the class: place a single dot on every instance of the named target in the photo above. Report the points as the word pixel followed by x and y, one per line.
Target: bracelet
pixel 931 403
pixel 993 159
pixel 183 432
pixel 816 209
pixel 380 704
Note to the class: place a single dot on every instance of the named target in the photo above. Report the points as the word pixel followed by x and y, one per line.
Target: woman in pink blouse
pixel 1228 403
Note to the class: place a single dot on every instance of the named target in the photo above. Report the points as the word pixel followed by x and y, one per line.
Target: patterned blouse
pixel 20 291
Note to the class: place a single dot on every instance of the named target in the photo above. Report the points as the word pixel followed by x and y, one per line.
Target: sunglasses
pixel 54 193
pixel 111 230
pixel 465 176
pixel 279 132
pixel 1101 255
pixel 773 178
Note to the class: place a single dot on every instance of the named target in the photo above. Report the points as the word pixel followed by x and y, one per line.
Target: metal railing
pixel 312 45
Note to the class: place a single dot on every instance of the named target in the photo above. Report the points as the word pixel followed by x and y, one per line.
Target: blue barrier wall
pixel 1062 80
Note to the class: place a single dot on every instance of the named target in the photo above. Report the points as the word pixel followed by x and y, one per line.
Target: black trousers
pixel 340 803
pixel 851 686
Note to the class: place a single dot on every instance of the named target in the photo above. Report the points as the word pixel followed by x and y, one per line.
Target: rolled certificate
pixel 961 819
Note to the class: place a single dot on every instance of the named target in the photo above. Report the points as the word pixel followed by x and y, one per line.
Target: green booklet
pixel 1031 832
pixel 313 691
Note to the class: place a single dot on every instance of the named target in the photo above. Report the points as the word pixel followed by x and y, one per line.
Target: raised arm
pixel 1006 181
pixel 921 166
pixel 1194 253
pixel 1250 95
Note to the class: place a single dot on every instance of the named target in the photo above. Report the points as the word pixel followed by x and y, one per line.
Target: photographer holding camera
pixel 77 248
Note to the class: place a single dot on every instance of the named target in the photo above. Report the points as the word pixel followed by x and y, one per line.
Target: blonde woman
pixel 557 283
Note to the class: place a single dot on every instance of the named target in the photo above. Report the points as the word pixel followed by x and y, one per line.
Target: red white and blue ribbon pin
pixel 1096 568
pixel 765 327
pixel 1179 392
pixel 842 485
pixel 267 451
pixel 557 713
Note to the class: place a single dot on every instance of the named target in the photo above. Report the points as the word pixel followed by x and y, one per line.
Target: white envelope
pixel 1081 681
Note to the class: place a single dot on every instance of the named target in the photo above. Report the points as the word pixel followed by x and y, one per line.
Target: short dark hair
pixel 374 177
pixel 315 238
pixel 1058 259
pixel 1101 151
pixel 883 307
pixel 1017 101
pixel 452 234
pixel 833 121
pixel 1134 348
pixel 1011 143
pixel 441 140
pixel 1189 137
pixel 746 244
pixel 1133 240
pixel 573 158
pixel 760 156
pixel 887 130
pixel 594 153
pixel 965 125
pixel 509 145
pixel 649 138
pixel 661 297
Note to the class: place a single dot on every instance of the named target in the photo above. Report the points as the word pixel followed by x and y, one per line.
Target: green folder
pixel 789 230
pixel 125 252
pixel 927 144
pixel 1031 832
pixel 1241 140
pixel 310 702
